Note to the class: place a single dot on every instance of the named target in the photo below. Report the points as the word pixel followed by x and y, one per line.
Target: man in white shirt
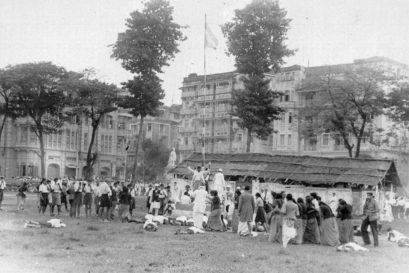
pixel 56 188
pixel 2 188
pixel 78 189
pixel 44 190
pixel 104 194
pixel 219 184
pixel 199 207
pixel 197 178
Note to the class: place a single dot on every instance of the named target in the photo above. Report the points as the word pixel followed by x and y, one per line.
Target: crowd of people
pixel 73 195
pixel 283 218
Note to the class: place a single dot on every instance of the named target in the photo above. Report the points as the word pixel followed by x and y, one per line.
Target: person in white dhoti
pixel 175 192
pixel 219 185
pixel 199 208
pixel 197 178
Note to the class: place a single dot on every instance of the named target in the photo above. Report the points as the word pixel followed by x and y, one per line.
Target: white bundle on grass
pixel 195 230
pixel 351 247
pixel 181 220
pixel 56 223
pixel 160 220
pixel 149 217
pixel 150 226
pixel 190 222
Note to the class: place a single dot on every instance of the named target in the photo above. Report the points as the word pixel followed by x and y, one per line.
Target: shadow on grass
pixel 101 252
pixel 93 228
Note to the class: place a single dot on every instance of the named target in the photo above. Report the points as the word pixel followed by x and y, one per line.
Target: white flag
pixel 210 39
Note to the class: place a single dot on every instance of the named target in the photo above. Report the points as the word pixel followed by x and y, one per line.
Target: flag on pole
pixel 210 39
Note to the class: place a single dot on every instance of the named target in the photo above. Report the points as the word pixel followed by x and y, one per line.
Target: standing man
pixel 78 189
pixel 104 193
pixel 219 184
pixel 198 178
pixel 247 206
pixel 56 189
pixel 199 207
pixel 87 198
pixel 95 191
pixel 371 210
pixel 2 188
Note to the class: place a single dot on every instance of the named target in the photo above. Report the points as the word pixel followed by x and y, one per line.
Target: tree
pixel 151 39
pixel 149 43
pixel 255 107
pixel 144 99
pixel 256 38
pixel 7 109
pixel 345 102
pixel 397 104
pixel 39 95
pixel 93 100
pixel 155 158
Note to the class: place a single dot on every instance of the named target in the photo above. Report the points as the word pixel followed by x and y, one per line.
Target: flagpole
pixel 204 93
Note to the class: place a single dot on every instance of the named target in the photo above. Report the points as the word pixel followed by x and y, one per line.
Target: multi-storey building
pixel 222 134
pixel 66 150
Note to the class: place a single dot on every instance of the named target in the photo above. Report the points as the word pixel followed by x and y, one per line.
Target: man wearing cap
pixel 2 187
pixel 371 210
pixel 219 184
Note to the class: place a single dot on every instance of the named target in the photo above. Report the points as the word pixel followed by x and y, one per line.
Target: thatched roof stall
pixel 306 170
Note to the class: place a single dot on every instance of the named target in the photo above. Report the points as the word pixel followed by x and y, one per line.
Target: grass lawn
pixel 87 245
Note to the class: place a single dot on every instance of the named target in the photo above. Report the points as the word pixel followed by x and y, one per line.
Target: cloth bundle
pixel 150 226
pixel 52 223
pixel 351 246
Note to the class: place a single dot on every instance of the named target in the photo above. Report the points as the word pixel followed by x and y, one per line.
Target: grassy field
pixel 87 245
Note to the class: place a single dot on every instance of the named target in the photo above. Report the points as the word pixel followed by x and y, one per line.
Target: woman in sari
pixel 300 222
pixel 276 221
pixel 329 227
pixel 214 222
pixel 235 218
pixel 346 229
pixel 311 233
pixel 260 213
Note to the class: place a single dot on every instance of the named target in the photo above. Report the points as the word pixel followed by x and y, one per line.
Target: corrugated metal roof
pixel 312 170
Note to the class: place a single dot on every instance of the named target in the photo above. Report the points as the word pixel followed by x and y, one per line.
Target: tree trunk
pixel 138 141
pixel 2 127
pixel 90 157
pixel 42 151
pixel 248 144
pixel 359 138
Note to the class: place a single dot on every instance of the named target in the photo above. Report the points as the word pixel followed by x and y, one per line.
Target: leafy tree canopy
pixel 256 37
pixel 151 39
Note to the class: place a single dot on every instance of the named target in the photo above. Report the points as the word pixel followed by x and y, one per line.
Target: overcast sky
pixel 76 34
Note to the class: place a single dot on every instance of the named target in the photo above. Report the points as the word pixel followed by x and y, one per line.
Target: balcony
pixel 188 94
pixel 188 111
pixel 187 130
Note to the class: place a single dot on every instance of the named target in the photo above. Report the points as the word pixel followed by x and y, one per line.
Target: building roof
pixel 308 169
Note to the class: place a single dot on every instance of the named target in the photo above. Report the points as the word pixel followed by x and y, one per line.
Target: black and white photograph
pixel 205 136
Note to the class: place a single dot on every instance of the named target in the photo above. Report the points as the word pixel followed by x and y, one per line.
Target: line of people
pixel 298 221
pixel 77 194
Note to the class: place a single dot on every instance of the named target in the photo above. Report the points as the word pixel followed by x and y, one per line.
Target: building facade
pixel 66 150
pixel 212 106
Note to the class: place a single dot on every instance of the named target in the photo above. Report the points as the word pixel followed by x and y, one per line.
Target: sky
pixel 76 34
